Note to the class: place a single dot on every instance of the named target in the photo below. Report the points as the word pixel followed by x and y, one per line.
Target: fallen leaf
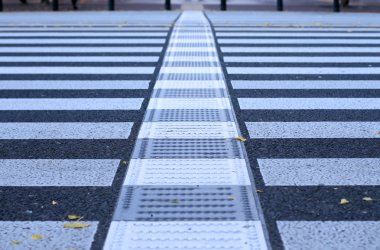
pixel 367 199
pixel 344 201
pixel 124 162
pixel 76 225
pixel 73 217
pixel 231 198
pixel 239 138
pixel 378 133
pixel 259 191
pixel 54 202
pixel 36 237
pixel 15 242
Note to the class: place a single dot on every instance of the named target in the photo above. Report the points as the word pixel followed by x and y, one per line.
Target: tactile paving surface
pixel 189 93
pixel 191 115
pixel 185 203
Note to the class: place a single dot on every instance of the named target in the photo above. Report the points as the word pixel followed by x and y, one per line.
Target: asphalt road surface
pixel 136 128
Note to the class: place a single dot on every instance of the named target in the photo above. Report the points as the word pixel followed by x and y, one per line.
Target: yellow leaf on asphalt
pixel 231 198
pixel 367 199
pixel 124 162
pixel 239 138
pixel 259 191
pixel 73 217
pixel 76 225
pixel 344 201
pixel 36 237
pixel 15 242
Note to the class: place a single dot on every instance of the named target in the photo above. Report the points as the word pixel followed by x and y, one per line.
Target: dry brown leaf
pixel 344 201
pixel 74 217
pixel 37 237
pixel 15 242
pixel 239 138
pixel 231 198
pixel 76 225
pixel 259 191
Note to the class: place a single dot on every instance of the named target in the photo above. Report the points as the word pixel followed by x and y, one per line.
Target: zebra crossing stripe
pixel 296 35
pixel 279 49
pixel 329 234
pixel 313 129
pixel 84 34
pixel 299 59
pixel 306 42
pixel 76 70
pixel 320 171
pixel 278 84
pixel 61 40
pixel 302 70
pixel 72 85
pixel 78 49
pixel 325 29
pixel 80 59
pixel 70 103
pixel 57 172
pixel 309 103
pixel 65 130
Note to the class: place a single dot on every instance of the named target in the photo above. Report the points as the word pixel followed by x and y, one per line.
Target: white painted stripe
pixel 190 172
pixel 191 70
pixel 242 49
pixel 301 41
pixel 57 172
pixel 299 59
pixel 82 29
pixel 315 235
pixel 292 34
pixel 76 70
pixel 190 84
pixel 319 171
pixel 302 70
pixel 85 34
pixel 80 49
pixel 309 103
pixel 70 103
pixel 313 129
pixel 79 59
pixel 80 41
pixel 179 130
pixel 278 84
pixel 65 130
pixel 107 84
pixel 232 235
pixel 189 103
pixel 299 29
pixel 55 236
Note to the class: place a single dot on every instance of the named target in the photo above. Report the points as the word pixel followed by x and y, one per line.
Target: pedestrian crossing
pixel 71 101
pixel 306 97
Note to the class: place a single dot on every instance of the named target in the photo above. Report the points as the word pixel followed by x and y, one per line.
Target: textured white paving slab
pixel 83 49
pixel 76 70
pixel 54 235
pixel 315 235
pixel 81 41
pixel 313 129
pixel 300 59
pixel 107 84
pixel 201 130
pixel 190 84
pixel 71 104
pixel 278 84
pixel 309 103
pixel 57 172
pixel 79 59
pixel 85 34
pixel 190 59
pixel 239 235
pixel 302 70
pixel 191 70
pixel 65 130
pixel 300 41
pixel 189 103
pixel 189 172
pixel 320 171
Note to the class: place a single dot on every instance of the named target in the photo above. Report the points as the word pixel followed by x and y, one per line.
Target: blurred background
pixel 290 5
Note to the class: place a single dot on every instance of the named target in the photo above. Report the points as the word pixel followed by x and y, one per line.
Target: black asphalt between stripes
pixel 78 64
pixel 309 115
pixel 307 202
pixel 94 203
pixel 71 116
pixel 83 93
